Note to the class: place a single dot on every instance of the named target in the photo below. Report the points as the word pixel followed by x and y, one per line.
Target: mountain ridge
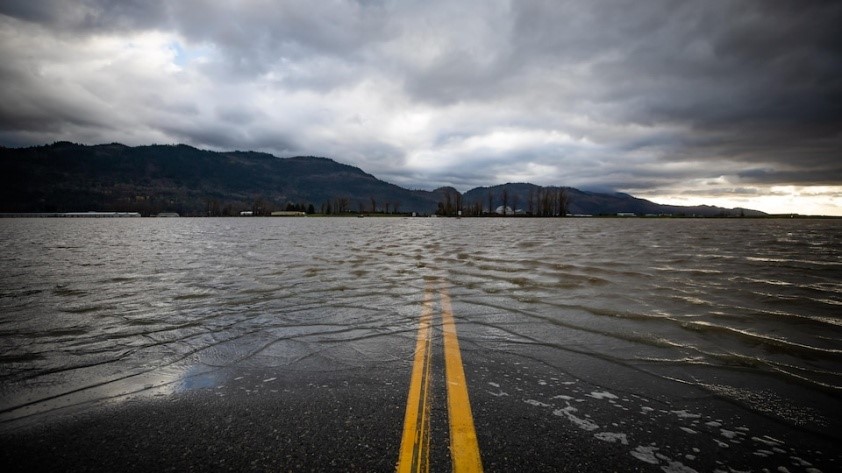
pixel 65 177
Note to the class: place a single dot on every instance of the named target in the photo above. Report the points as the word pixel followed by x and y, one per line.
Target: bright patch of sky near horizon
pixel 706 102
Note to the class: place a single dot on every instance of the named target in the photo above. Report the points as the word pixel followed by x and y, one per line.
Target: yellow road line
pixel 464 449
pixel 415 443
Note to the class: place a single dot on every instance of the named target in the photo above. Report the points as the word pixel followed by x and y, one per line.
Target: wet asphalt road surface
pixel 530 415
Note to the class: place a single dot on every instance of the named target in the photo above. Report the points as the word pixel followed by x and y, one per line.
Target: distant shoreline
pixel 71 215
pixel 375 215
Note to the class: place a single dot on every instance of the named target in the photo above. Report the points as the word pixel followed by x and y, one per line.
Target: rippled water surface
pixel 96 309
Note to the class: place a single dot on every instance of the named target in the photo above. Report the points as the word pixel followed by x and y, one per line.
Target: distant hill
pixel 67 177
pixel 152 179
pixel 595 203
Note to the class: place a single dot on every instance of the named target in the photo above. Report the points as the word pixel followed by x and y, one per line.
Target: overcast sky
pixel 734 103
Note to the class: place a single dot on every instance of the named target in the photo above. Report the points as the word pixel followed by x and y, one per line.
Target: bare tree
pixel 563 202
pixel 530 198
pixel 212 208
pixel 505 197
pixel 547 202
pixel 260 207
pixel 373 205
pixel 537 203
pixel 448 204
pixel 342 204
pixel 490 202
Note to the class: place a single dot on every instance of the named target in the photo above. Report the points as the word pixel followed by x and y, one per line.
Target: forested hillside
pixel 68 177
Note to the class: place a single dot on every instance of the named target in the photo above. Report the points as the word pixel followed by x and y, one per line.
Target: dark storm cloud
pixel 623 94
pixel 89 16
pixel 755 82
pixel 253 36
pixel 27 109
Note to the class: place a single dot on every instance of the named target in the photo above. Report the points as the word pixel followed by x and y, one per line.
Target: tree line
pixel 538 202
pixel 344 205
pixel 260 206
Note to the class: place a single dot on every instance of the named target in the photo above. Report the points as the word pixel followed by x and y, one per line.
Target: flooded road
pixel 673 345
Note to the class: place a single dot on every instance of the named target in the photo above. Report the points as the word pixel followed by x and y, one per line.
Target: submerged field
pixel 650 344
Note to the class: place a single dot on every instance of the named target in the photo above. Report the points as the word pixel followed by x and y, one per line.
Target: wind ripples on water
pixel 673 297
pixel 93 309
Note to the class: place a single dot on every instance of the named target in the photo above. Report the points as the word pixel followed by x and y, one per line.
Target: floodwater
pixel 747 311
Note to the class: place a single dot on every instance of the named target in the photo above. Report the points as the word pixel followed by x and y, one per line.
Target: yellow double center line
pixel 415 443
